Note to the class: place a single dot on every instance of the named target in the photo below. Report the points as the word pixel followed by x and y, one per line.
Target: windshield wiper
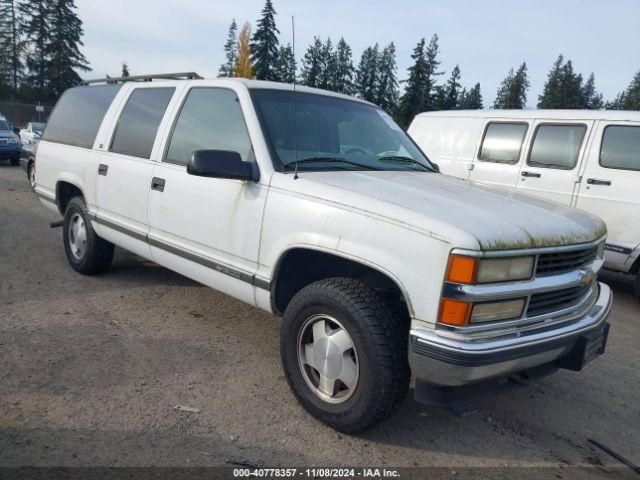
pixel 328 160
pixel 401 159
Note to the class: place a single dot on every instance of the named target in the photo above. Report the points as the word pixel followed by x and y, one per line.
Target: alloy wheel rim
pixel 77 236
pixel 328 359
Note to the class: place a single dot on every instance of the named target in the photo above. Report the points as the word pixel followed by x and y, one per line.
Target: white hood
pixel 495 218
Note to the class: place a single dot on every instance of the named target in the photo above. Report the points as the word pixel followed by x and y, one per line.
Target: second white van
pixel 584 159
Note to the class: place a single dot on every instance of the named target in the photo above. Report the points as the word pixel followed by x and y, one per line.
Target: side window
pixel 78 115
pixel 556 146
pixel 620 147
pixel 502 142
pixel 210 118
pixel 138 123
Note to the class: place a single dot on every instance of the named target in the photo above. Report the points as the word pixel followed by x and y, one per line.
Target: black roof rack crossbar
pixel 146 78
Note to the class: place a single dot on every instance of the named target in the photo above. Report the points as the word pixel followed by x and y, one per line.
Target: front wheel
pixel 86 251
pixel 344 353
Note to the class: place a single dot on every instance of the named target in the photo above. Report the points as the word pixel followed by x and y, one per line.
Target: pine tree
pixel 449 95
pixel 387 88
pixel 312 64
pixel 433 63
pixel 421 93
pixel 344 70
pixel 285 67
pixel 367 79
pixel 230 51
pixel 552 96
pixel 591 99
pixel 125 70
pixel 414 100
pixel 512 92
pixel 62 50
pixel 632 95
pixel 264 44
pixel 571 88
pixel 36 25
pixel 564 88
pixel 11 44
pixel 328 65
pixel 630 98
pixel 244 67
pixel 471 99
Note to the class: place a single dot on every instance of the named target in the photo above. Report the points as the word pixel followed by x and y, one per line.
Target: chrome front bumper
pixel 439 359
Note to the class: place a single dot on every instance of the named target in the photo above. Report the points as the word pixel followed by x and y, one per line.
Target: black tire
pixel 30 176
pixel 380 337
pixel 98 253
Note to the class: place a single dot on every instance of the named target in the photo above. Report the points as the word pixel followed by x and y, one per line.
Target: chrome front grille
pixel 558 262
pixel 557 300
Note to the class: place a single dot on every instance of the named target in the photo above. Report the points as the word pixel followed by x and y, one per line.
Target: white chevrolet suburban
pixel 318 207
pixel 582 158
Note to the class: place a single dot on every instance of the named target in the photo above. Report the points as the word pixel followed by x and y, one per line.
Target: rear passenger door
pixel 552 165
pixel 500 152
pixel 610 187
pixel 126 168
pixel 207 228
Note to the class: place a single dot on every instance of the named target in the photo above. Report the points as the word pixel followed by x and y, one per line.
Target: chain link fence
pixel 19 114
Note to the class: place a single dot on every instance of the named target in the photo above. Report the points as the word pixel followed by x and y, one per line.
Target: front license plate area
pixel 587 347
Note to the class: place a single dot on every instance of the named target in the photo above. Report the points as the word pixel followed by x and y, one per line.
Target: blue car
pixel 10 145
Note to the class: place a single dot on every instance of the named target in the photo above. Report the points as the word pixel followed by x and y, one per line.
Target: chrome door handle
pixel 531 174
pixel 157 184
pixel 597 181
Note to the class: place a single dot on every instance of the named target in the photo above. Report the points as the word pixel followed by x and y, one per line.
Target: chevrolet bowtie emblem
pixel 586 277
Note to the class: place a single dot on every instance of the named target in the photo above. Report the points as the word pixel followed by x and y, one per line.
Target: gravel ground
pixel 91 369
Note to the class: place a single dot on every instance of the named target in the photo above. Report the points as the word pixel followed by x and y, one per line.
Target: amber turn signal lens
pixel 455 313
pixel 461 269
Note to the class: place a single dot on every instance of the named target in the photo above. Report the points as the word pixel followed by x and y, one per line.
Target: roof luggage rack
pixel 146 78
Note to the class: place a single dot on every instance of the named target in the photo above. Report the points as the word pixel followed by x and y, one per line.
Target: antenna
pixel 295 114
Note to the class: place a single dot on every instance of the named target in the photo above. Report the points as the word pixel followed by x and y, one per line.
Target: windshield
pixel 4 125
pixel 333 134
pixel 37 127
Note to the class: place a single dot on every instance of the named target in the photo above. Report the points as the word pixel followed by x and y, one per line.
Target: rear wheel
pixel 344 353
pixel 31 175
pixel 86 251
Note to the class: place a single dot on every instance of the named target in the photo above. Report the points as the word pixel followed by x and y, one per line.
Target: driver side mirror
pixel 221 164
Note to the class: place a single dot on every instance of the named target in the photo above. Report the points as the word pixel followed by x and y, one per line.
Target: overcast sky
pixel 486 38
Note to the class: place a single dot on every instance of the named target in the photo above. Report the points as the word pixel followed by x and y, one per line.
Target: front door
pixel 207 228
pixel 497 161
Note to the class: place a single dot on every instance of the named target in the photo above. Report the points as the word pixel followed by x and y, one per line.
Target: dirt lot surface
pixel 91 369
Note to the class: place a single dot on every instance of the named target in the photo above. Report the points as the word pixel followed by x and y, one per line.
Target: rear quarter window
pixel 621 147
pixel 77 116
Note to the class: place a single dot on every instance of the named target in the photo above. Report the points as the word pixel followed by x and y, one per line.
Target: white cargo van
pixel 585 159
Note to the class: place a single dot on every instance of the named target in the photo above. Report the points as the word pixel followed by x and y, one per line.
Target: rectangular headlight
pixel 472 270
pixel 493 270
pixel 494 311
